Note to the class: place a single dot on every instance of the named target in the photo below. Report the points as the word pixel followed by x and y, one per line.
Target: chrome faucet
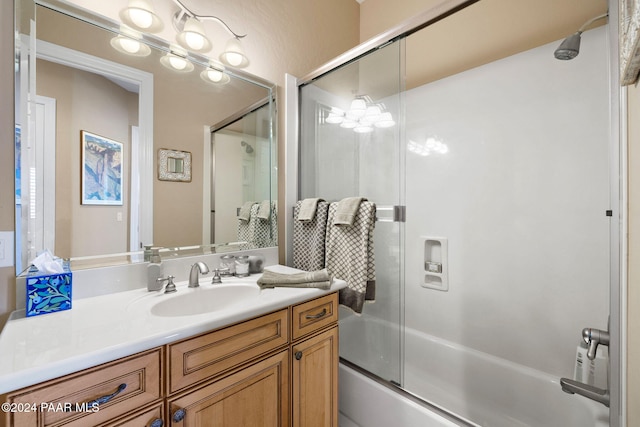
pixel 593 338
pixel 193 274
pixel 586 390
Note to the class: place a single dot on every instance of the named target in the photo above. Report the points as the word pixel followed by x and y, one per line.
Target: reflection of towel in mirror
pixel 245 211
pixel 346 210
pixel 309 237
pixel 350 257
pixel 264 210
pixel 311 279
pixel 307 209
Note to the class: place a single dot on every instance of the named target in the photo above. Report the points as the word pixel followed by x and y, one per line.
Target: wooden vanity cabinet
pixel 276 370
pixel 315 363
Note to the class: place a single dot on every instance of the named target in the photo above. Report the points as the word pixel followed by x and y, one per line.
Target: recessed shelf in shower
pixel 435 263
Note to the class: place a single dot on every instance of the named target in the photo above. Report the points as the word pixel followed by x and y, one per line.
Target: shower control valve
pixel 593 338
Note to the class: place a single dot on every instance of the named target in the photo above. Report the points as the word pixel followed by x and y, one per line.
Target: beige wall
pixel 7 198
pixel 633 280
pixel 86 101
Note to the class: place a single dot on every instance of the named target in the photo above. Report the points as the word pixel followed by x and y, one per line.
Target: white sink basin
pixel 204 299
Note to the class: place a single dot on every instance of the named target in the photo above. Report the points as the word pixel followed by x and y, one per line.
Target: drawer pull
pixel 298 355
pixel 156 423
pixel 317 316
pixel 179 415
pixel 101 400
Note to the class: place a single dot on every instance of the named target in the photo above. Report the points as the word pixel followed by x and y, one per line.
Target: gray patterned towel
pixel 350 257
pixel 309 238
pixel 257 232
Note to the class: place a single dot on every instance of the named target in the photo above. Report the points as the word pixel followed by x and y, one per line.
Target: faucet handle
pixel 171 287
pixel 593 338
pixel 216 275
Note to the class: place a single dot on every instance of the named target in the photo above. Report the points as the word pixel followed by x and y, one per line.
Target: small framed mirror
pixel 174 165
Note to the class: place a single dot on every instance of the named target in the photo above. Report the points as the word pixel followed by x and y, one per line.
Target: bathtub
pixel 478 388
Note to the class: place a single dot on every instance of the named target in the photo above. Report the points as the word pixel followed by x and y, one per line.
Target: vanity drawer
pixel 206 356
pixel 132 383
pixel 314 315
pixel 144 419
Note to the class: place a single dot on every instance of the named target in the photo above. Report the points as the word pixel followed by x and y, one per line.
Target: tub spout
pixel 586 390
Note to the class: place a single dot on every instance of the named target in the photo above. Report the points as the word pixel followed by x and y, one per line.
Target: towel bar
pixel 398 213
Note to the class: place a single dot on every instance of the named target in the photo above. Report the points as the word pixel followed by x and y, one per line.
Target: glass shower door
pixel 350 146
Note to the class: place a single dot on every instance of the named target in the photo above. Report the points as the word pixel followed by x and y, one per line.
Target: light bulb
pixel 141 18
pixel 194 40
pixel 131 46
pixel 177 62
pixel 234 59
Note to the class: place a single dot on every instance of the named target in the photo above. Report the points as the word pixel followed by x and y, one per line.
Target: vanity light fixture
pixel 215 74
pixel 177 61
pixel 140 15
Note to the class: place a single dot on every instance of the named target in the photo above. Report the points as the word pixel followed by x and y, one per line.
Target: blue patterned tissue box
pixel 48 293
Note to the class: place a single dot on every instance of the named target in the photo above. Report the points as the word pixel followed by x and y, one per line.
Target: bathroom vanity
pixel 270 360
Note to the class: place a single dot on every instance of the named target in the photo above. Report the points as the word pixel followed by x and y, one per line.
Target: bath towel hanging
pixel 350 257
pixel 347 210
pixel 307 209
pixel 309 237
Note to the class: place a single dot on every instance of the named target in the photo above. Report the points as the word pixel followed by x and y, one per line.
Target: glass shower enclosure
pixel 492 236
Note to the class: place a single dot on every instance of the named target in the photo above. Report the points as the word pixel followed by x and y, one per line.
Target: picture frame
pixel 101 174
pixel 629 23
pixel 174 165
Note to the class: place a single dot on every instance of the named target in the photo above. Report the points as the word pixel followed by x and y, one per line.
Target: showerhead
pixel 247 147
pixel 569 48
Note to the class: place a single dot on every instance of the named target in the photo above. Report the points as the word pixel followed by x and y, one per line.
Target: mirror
pixel 173 129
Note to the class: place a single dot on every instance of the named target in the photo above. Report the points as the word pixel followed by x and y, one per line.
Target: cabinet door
pixel 315 381
pixel 256 396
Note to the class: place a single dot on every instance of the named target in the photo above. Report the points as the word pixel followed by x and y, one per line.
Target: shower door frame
pixel 617 177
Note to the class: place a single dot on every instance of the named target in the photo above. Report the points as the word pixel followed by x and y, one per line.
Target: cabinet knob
pixel 298 355
pixel 156 423
pixel 179 415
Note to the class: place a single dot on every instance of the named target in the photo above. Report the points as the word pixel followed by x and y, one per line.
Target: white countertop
pixel 104 328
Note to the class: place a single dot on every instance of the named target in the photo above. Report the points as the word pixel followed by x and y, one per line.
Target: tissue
pixel 48 285
pixel 47 263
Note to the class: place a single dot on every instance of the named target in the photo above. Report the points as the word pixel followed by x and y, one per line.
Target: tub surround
pixel 103 328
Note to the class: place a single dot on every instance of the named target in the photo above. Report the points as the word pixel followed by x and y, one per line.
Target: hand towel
pixel 312 279
pixel 245 211
pixel 346 210
pixel 309 238
pixel 307 209
pixel 264 210
pixel 350 257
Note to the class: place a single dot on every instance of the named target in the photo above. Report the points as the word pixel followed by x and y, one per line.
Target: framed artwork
pixel 101 175
pixel 629 41
pixel 174 165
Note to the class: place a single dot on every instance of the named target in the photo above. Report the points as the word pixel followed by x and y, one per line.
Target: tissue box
pixel 48 293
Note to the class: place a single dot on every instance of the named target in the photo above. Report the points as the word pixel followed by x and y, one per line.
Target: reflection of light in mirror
pixel 176 63
pixel 130 46
pixel 431 145
pixel 363 116
pixel 32 192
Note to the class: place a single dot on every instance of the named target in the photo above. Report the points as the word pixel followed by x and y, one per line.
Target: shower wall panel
pixel 509 161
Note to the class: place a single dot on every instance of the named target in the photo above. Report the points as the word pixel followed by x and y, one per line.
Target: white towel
pixel 307 209
pixel 346 210
pixel 350 257
pixel 309 238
